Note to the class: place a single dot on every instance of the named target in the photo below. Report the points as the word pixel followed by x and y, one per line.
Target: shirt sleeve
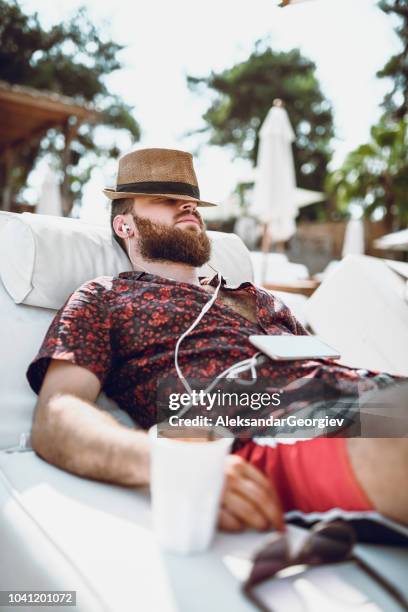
pixel 79 334
pixel 289 320
pixel 282 314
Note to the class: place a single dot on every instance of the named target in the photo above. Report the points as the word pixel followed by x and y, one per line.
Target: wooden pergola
pixel 26 116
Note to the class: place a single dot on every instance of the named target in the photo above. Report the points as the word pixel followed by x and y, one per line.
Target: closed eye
pixel 165 201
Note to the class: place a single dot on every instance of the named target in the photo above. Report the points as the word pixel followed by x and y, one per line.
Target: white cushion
pixel 43 258
pixel 62 532
pixel 360 310
pixel 276 268
pixel 58 531
pixel 23 326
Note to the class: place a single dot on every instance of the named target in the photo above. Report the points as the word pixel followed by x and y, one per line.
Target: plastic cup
pixel 187 476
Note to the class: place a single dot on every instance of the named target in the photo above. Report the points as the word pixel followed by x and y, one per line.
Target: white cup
pixel 186 482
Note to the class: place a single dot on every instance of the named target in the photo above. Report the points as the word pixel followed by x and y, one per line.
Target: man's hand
pixel 249 500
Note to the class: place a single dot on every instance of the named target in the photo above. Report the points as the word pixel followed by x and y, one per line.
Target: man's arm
pixel 71 432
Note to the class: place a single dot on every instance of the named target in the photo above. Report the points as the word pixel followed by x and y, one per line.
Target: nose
pixel 188 206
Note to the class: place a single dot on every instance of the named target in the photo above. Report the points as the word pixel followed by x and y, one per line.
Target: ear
pixel 123 227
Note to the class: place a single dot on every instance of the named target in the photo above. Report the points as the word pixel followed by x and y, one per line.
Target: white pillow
pixel 43 258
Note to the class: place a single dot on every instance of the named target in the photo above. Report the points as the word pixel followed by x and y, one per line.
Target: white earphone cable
pixel 232 371
pixel 205 309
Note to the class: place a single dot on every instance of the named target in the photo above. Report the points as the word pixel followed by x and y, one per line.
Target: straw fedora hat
pixel 160 172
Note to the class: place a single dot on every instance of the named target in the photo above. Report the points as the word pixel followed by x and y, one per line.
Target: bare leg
pixel 380 463
pixel 381 467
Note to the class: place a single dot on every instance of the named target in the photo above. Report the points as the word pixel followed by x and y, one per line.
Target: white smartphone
pixel 287 348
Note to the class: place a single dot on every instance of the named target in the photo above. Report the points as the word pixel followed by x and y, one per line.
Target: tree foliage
pixel 243 95
pixel 396 101
pixel 375 175
pixel 73 59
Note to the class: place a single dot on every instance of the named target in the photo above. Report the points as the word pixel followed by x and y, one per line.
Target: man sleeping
pixel 120 335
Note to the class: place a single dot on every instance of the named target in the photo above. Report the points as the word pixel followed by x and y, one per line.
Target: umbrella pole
pixel 266 239
pixel 265 246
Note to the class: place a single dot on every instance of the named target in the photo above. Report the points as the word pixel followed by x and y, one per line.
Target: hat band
pixel 158 187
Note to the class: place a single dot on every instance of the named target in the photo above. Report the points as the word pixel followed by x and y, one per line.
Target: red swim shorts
pixel 310 475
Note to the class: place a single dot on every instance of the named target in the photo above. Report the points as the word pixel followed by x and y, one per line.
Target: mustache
pixel 191 214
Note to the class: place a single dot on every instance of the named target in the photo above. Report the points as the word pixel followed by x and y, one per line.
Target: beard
pixel 160 242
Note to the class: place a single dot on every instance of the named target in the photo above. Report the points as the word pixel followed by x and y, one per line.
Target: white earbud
pixel 126 228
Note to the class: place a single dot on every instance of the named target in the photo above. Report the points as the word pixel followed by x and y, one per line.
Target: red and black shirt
pixel 124 330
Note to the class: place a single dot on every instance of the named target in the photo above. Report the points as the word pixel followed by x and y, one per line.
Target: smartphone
pixel 287 348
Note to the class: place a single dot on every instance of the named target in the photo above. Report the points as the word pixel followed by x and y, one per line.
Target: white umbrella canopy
pixel 50 197
pixel 306 197
pixel 274 201
pixel 396 240
pixel 225 210
pixel 303 197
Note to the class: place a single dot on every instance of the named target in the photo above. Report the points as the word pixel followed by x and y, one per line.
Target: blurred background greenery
pixel 73 58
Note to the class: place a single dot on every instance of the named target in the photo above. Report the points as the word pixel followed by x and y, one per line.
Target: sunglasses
pixel 326 544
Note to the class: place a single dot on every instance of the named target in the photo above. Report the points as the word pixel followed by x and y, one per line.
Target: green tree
pixel 396 101
pixel 72 59
pixel 243 95
pixel 375 175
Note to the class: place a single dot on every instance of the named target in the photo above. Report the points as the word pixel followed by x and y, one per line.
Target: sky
pixel 349 41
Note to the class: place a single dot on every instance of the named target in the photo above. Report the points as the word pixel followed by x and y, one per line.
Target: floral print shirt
pixel 124 329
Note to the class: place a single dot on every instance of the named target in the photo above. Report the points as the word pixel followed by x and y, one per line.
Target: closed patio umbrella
pixel 274 202
pixel 50 196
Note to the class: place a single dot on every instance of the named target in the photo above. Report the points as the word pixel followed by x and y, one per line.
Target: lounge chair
pixel 361 308
pixel 62 532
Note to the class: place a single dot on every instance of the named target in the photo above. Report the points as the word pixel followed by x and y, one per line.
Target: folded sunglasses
pixel 326 544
